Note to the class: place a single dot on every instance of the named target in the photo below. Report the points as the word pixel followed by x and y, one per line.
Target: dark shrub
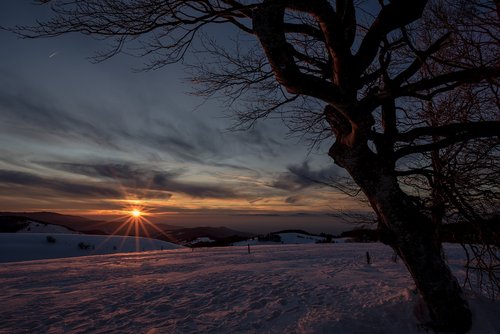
pixel 83 245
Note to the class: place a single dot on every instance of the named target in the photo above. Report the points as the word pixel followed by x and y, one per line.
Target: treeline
pixel 487 232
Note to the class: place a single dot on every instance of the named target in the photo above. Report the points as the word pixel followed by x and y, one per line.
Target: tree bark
pixel 410 233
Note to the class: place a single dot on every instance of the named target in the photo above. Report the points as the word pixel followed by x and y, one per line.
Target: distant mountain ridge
pixel 77 223
pixel 82 224
pixel 221 235
pixel 14 223
pixel 52 217
pixel 170 233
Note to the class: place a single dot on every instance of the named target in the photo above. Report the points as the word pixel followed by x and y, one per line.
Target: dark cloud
pixel 141 178
pixel 207 145
pixel 130 173
pixel 60 186
pixel 148 195
pixel 291 182
pixel 293 199
pixel 43 120
pixel 300 177
pixel 46 119
pixel 307 175
pixel 202 190
pixel 237 167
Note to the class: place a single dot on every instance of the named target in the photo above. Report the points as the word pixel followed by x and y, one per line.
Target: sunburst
pixel 135 223
pixel 136 213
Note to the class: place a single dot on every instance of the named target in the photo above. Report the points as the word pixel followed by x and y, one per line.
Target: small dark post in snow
pixel 368 260
pixel 248 248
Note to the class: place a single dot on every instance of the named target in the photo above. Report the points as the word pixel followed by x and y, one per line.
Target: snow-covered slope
pixel 285 238
pixel 36 227
pixel 325 288
pixel 35 246
pixel 200 240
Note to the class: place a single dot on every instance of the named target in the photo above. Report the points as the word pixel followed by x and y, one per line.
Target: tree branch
pixel 471 75
pixel 420 60
pixel 490 128
pixel 453 133
pixel 305 30
pixel 396 14
pixel 270 30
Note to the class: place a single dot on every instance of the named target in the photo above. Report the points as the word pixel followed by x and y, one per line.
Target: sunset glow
pixel 136 155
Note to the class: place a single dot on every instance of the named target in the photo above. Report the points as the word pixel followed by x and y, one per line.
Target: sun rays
pixel 136 224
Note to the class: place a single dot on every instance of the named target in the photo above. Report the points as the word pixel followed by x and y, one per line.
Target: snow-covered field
pixel 35 245
pixel 326 288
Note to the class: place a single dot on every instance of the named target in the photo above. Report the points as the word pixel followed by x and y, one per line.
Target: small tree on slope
pixel 357 75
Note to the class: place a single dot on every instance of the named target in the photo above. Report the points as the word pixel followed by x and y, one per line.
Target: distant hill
pixel 285 237
pixel 50 217
pixel 73 222
pixel 15 221
pixel 361 235
pixel 220 236
pixel 23 224
pixel 83 224
pixel 12 224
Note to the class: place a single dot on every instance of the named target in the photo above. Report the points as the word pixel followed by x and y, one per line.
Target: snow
pixel 200 240
pixel 316 288
pixel 36 227
pixel 286 238
pixel 35 246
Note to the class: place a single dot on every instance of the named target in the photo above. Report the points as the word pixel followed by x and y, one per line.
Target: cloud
pixel 143 178
pixel 293 199
pixel 63 187
pixel 158 195
pixel 201 190
pixel 42 120
pixel 206 144
pixel 29 114
pixel 300 177
pixel 53 127
pixel 130 172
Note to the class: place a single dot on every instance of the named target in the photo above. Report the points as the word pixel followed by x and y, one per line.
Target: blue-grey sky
pixel 98 139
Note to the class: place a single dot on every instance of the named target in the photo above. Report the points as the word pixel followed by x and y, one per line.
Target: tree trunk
pixel 410 233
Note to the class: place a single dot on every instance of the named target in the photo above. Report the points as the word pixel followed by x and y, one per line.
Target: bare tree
pixel 459 186
pixel 333 70
pixel 460 183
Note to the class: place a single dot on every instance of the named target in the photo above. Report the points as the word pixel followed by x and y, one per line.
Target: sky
pixel 96 140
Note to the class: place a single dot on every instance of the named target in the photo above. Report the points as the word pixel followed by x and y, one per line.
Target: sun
pixel 135 222
pixel 135 213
